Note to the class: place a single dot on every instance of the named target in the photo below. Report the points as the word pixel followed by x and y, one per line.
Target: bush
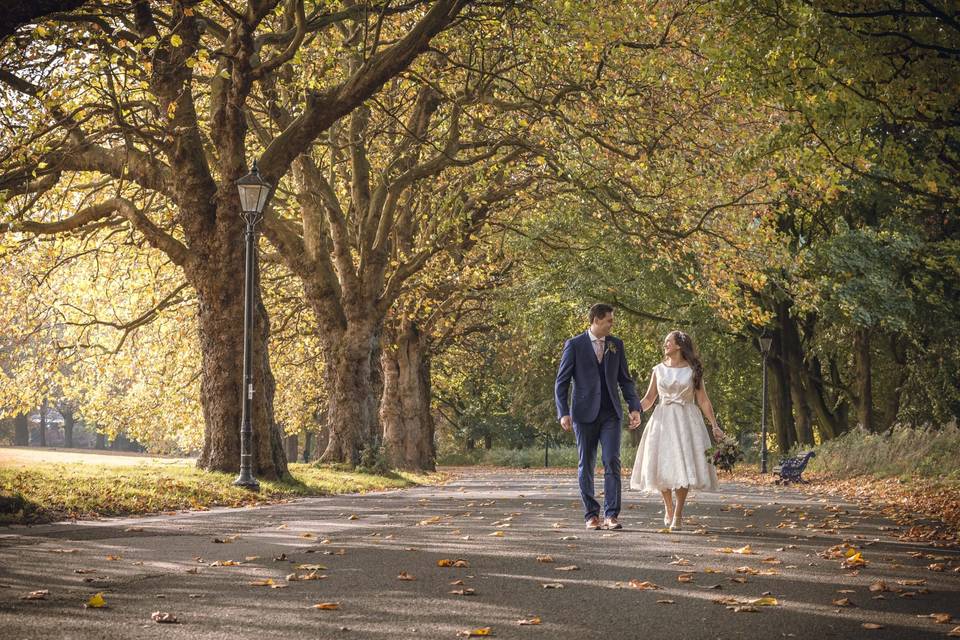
pixel 901 452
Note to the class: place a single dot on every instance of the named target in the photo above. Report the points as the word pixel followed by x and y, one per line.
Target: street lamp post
pixel 253 196
pixel 765 342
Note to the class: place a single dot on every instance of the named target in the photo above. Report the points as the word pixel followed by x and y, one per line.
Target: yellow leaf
pixel 530 621
pixel 766 601
pixel 96 601
pixel 484 631
pixel 496 534
pixel 176 40
pixel 266 582
pixel 745 550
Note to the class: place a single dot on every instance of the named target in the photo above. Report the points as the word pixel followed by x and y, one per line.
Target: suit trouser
pixel 605 431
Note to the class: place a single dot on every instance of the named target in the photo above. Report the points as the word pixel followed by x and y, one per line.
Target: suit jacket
pixel 579 364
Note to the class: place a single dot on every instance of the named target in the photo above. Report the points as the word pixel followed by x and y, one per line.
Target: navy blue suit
pixel 597 413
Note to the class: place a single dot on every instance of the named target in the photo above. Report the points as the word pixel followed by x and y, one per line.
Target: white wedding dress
pixel 671 451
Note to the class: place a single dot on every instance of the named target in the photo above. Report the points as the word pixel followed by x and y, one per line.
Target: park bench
pixel 791 469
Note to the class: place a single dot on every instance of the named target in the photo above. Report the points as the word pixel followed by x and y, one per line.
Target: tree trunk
pixel 352 421
pixel 793 356
pixel 778 392
pixel 21 434
pixel 405 407
pixel 43 423
pixel 898 353
pixel 101 441
pixel 292 443
pixel 308 436
pixel 219 285
pixel 864 380
pixel 488 442
pixel 68 423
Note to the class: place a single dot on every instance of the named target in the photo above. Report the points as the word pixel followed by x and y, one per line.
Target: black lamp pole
pixel 765 342
pixel 253 196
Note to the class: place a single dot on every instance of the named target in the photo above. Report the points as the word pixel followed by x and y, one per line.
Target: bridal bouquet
pixel 724 454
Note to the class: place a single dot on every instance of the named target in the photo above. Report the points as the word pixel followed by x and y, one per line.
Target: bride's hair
pixel 689 351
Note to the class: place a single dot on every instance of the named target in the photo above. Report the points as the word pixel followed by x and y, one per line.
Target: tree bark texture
pixel 408 429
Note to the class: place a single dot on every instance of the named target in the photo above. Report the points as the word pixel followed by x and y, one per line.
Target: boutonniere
pixel 611 348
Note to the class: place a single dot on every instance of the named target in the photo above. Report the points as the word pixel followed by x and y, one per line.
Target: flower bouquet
pixel 724 454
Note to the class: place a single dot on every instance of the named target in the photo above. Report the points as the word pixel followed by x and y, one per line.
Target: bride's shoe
pixel 667 519
pixel 675 524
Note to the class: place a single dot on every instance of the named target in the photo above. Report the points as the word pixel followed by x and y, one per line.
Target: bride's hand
pixel 718 432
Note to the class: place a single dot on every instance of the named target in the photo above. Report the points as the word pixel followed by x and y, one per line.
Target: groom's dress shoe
pixel 593 523
pixel 612 523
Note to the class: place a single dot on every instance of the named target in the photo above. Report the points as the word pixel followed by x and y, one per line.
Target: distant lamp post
pixel 765 344
pixel 253 196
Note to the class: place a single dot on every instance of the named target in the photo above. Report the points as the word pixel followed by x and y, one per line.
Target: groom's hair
pixel 599 310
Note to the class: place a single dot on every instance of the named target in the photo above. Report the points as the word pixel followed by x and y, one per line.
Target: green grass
pixel 904 453
pixel 529 458
pixel 58 491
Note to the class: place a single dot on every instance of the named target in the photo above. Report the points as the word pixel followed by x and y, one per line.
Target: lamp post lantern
pixel 765 343
pixel 253 196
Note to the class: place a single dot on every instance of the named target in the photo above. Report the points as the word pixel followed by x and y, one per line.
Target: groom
pixel 597 364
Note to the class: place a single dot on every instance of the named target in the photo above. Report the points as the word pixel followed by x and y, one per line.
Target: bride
pixel 671 457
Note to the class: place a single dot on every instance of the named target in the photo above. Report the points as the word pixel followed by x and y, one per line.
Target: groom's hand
pixel 566 423
pixel 635 419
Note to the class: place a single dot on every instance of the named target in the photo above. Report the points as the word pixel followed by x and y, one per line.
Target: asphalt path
pixel 525 557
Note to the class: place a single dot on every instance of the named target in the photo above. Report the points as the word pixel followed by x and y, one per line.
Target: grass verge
pixel 51 492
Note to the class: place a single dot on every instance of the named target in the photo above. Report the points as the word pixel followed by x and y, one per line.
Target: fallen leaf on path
pixel 303 577
pixel 496 534
pixel 711 570
pixel 941 618
pixel 937 566
pixel 467 591
pixel 264 582
pixel 225 563
pixel 457 582
pixel 912 583
pixel 843 602
pixel 312 567
pixel 745 550
pixel 643 586
pixel 743 608
pixel 327 606
pixel 665 601
pixel 36 595
pixel 353 517
pixel 484 631
pixel 405 576
pixel 429 521
pixel 133 529
pixel 117 557
pixel 570 567
pixel 685 577
pixel 871 625
pixel 553 585
pixel 530 621
pixel 955 632
pixel 545 559
pixel 878 586
pixel 766 601
pixel 96 601
pixel 164 617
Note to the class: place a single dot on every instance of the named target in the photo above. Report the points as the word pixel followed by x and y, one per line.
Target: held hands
pixel 566 423
pixel 635 420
